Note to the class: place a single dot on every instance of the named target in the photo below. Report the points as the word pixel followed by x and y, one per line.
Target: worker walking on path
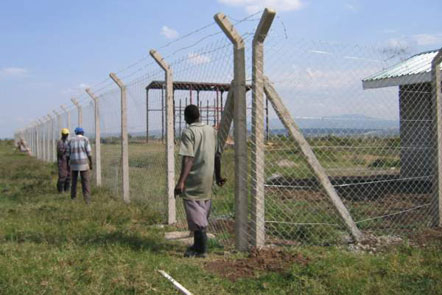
pixel 64 171
pixel 80 160
pixel 201 160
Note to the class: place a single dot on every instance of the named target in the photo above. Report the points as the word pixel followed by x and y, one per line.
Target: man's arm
pixel 89 154
pixel 219 180
pixel 186 166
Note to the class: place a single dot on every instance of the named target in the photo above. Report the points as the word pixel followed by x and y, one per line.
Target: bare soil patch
pixel 259 260
pixel 428 237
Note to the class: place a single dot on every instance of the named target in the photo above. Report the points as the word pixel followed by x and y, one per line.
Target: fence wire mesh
pixel 371 129
pixel 375 145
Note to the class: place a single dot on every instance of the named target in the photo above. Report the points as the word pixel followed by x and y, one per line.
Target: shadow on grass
pixel 134 241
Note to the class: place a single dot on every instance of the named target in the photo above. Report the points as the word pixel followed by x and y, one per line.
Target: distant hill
pixel 346 121
pixel 346 124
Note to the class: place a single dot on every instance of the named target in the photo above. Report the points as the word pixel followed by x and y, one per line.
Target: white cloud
pixel 398 43
pixel 351 7
pixel 13 72
pixel 75 90
pixel 198 59
pixel 320 52
pixel 428 39
pixel 415 40
pixel 169 33
pixel 252 6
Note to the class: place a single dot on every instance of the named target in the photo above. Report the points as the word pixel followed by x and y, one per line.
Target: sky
pixel 52 49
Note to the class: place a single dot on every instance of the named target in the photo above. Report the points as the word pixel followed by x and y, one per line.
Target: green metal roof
pixel 416 69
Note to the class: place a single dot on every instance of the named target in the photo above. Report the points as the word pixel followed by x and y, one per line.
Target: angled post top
pixel 117 80
pixel 228 29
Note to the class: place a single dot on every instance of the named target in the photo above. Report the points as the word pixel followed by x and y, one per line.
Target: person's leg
pixel 204 210
pixel 61 178
pixel 206 207
pixel 196 213
pixel 68 178
pixel 74 184
pixel 60 183
pixel 188 208
pixel 85 186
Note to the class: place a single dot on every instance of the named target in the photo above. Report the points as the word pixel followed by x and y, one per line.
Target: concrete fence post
pixel 59 127
pixel 53 139
pixel 170 144
pixel 240 131
pixel 43 139
pixel 31 137
pixel 97 137
pixel 80 112
pixel 124 138
pixel 68 115
pixel 147 115
pixel 437 100
pixel 258 140
pixel 48 138
pixel 39 139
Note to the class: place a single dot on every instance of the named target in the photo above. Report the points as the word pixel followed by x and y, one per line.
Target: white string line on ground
pixel 301 223
pixel 393 214
pixel 353 183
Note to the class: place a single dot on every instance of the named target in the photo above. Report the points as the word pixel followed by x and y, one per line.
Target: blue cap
pixel 79 130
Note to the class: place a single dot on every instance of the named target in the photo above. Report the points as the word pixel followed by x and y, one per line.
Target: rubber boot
pixel 191 251
pixel 203 244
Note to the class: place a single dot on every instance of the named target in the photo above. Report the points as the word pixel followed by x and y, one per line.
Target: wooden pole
pixel 124 138
pixel 240 131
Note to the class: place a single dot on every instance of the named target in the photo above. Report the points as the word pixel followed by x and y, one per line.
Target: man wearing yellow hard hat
pixel 64 171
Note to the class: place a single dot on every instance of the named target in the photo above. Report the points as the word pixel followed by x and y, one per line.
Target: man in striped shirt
pixel 80 160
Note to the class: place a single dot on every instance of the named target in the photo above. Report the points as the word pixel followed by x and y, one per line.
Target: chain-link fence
pixel 319 140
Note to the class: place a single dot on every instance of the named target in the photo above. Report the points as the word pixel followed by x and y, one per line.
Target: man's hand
pixel 179 188
pixel 221 181
pixel 90 165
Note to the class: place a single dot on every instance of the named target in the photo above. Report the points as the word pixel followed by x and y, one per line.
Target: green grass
pixel 51 245
pixel 340 156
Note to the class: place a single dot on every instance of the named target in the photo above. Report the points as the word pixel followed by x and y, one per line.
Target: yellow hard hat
pixel 65 131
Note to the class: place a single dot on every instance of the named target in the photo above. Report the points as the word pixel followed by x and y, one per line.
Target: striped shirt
pixel 79 149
